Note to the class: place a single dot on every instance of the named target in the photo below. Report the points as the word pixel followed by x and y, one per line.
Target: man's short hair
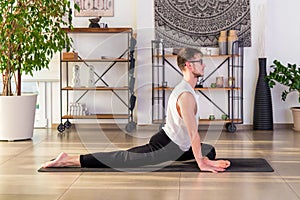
pixel 186 54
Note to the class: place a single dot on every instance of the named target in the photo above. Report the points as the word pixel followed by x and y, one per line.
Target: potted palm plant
pixel 289 76
pixel 30 34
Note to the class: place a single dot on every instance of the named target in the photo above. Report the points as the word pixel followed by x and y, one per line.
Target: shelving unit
pixel 127 58
pixel 234 65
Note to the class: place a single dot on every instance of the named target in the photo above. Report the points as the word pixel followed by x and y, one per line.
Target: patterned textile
pixel 197 23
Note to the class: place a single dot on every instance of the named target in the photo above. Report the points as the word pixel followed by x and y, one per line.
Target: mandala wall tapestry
pixel 197 23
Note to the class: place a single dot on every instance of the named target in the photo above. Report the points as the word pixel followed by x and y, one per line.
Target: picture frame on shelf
pixel 95 8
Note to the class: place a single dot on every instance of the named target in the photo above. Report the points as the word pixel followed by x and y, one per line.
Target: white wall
pixel 274 35
pixel 283 44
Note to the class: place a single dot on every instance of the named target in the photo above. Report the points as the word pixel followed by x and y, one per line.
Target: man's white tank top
pixel 175 127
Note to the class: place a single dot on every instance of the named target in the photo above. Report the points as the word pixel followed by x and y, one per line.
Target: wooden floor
pixel 19 162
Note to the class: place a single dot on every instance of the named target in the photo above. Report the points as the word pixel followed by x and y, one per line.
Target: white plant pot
pixel 296 118
pixel 17 115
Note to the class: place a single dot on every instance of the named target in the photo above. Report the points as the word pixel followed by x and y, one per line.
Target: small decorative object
pixel 70 56
pixel 213 51
pixel 175 51
pixel 224 117
pixel 220 81
pixel 91 81
pixel 199 83
pixel 263 113
pixel 232 37
pixel 70 111
pixel 159 47
pixel 223 43
pixel 94 22
pixel 78 109
pixel 206 51
pixel 76 76
pixel 103 25
pixel 231 81
pixel 213 85
pixel 211 117
pixel 106 57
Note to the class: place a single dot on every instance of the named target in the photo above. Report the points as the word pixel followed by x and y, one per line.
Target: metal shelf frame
pixel 234 64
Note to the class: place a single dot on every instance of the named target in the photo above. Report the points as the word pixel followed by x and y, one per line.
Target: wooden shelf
pixel 97 60
pixel 201 89
pixel 204 56
pixel 96 88
pixel 218 121
pixel 98 30
pixel 222 88
pixel 208 122
pixel 165 88
pixel 97 116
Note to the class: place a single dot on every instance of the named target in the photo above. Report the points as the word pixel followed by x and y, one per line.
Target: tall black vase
pixel 263 113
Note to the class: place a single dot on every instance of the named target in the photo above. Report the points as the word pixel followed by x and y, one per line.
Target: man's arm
pixel 187 109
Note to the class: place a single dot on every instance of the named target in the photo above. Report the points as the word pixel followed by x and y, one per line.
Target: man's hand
pixel 214 166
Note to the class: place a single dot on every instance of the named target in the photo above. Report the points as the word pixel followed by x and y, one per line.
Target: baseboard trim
pixel 156 126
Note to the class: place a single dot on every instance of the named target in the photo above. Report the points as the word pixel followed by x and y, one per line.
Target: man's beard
pixel 197 75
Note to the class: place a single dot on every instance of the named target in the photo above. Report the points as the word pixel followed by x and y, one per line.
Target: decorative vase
pixel 232 44
pixel 219 81
pixel 222 40
pixel 94 22
pixel 76 76
pixel 231 81
pixel 91 81
pixel 263 113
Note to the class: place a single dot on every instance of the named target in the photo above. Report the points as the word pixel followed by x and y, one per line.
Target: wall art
pixel 94 8
pixel 197 23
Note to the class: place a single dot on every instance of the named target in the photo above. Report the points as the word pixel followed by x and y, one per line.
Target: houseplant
pixel 30 33
pixel 289 76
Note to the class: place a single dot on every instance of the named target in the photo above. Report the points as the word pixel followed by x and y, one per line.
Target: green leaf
pixel 286 75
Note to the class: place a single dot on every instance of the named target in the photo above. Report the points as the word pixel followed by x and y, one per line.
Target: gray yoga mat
pixel 237 165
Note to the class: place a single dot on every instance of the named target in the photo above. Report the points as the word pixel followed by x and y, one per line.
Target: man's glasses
pixel 196 61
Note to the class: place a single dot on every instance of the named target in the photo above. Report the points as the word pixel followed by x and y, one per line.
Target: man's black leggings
pixel 159 149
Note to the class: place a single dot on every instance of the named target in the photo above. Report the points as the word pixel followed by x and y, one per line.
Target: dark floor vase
pixel 263 113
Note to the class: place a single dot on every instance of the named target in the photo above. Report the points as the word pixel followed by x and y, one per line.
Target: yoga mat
pixel 237 165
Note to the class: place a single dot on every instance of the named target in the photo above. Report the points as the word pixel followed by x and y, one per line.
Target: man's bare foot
pixel 222 163
pixel 218 163
pixel 214 166
pixel 63 160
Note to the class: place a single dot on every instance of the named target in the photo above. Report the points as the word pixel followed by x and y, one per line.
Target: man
pixel 178 140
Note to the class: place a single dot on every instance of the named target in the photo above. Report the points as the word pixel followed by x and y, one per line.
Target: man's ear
pixel 188 65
